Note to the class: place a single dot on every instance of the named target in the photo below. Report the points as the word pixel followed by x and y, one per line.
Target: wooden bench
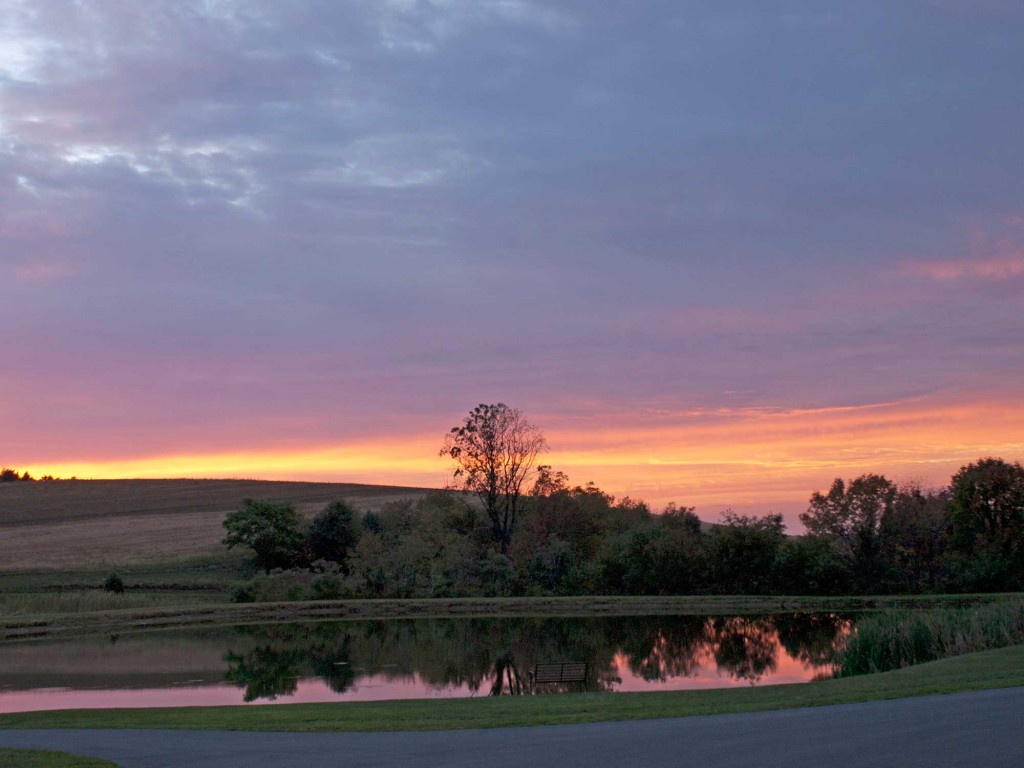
pixel 561 672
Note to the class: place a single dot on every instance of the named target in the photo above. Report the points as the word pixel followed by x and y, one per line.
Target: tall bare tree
pixel 495 450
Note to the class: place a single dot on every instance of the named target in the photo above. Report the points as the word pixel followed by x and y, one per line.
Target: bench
pixel 561 672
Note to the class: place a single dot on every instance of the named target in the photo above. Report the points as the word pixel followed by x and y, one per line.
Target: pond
pixel 415 658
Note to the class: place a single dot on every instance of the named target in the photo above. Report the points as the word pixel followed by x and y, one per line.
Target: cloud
pixel 1001 268
pixel 396 161
pixel 41 272
pixel 997 253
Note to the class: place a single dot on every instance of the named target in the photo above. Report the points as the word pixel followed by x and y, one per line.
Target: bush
pixel 114 584
pixel 244 592
pixel 322 581
pixel 273 587
pixel 328 586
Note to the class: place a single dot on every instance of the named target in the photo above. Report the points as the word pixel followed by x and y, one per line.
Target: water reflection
pixel 415 658
pixel 495 656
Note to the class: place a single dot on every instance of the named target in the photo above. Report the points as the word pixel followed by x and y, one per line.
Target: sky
pixel 718 252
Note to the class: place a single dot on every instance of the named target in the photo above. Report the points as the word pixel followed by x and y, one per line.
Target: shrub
pixel 113 584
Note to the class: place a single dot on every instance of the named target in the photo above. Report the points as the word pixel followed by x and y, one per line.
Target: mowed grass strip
pixel 46 758
pixel 989 669
pixel 30 627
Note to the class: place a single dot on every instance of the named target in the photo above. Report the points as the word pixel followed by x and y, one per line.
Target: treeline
pixel 8 475
pixel 864 536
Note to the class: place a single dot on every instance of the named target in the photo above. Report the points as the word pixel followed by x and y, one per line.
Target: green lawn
pixel 989 669
pixel 44 758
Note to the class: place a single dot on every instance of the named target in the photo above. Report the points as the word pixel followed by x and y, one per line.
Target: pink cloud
pixel 999 268
pixel 35 273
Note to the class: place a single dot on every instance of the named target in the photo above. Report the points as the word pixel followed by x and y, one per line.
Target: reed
pixel 895 639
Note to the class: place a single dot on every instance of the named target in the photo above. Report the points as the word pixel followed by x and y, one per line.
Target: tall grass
pixel 895 639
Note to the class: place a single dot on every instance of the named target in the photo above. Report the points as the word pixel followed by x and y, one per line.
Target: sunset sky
pixel 719 252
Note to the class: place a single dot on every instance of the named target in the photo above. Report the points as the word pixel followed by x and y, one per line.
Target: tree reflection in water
pixel 745 648
pixel 266 672
pixel 496 656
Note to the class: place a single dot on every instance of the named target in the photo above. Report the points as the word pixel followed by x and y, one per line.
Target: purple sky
pixel 239 226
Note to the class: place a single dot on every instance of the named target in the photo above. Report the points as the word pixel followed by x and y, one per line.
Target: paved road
pixel 985 728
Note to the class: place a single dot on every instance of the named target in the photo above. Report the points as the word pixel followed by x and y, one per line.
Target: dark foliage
pixel 334 532
pixel 113 584
pixel 272 529
pixel 864 536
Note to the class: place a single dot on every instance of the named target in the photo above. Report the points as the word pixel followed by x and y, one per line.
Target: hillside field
pixel 75 524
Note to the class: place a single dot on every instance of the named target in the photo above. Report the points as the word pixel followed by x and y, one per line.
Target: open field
pixel 33 627
pixel 70 524
pixel 978 671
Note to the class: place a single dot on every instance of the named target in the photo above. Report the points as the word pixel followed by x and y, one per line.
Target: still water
pixel 415 658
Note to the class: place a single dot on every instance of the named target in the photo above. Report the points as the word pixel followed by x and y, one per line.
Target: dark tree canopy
pixel 988 515
pixel 495 450
pixel 852 515
pixel 742 553
pixel 334 532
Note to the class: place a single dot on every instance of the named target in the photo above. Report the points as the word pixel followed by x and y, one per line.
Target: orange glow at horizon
pixel 748 458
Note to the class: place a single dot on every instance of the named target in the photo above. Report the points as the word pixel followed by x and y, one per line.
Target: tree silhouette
pixel 495 450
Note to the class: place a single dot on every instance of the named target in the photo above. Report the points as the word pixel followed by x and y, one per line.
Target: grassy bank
pixel 28 627
pixel 892 640
pixel 183 582
pixel 45 758
pixel 990 669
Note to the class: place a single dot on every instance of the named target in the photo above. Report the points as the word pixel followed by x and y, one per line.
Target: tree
pixel 11 475
pixel 272 529
pixel 915 541
pixel 852 516
pixel 988 519
pixel 742 553
pixel 494 450
pixel 334 532
pixel 578 517
pixel 814 565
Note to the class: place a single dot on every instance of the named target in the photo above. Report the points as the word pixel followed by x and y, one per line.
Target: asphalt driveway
pixel 984 728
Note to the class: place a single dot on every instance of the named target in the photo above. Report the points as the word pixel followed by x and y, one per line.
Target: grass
pixel 892 640
pixel 31 627
pixel 978 671
pixel 184 581
pixel 86 601
pixel 45 758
